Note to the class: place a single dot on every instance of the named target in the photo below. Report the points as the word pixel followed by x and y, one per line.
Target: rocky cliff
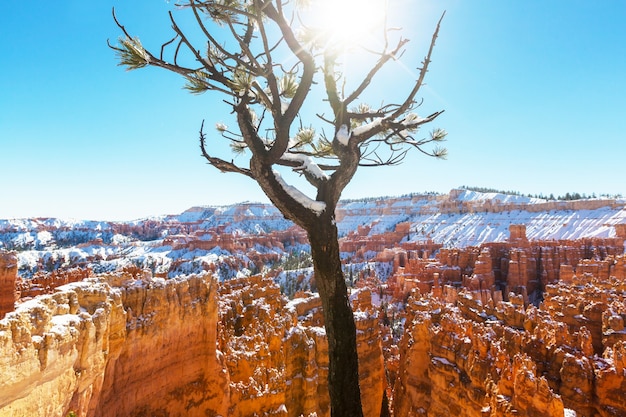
pixel 137 345
pixel 495 269
pixel 112 346
pixel 503 358
pixel 277 353
pixel 8 277
pixel 121 345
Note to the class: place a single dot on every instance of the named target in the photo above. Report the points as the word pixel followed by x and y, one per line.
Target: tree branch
pixel 373 71
pixel 330 82
pixel 274 102
pixel 219 163
pixel 411 97
pixel 211 40
pixel 306 80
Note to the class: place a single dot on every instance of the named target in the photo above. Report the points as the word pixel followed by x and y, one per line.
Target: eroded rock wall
pixel 54 350
pixel 131 345
pixel 468 358
pixel 8 276
pixel 113 346
pixel 277 353
pixel 128 345
pixel 496 269
pixel 168 363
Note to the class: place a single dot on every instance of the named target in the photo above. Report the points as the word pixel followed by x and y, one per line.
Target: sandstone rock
pixel 455 366
pixel 412 389
pixel 129 345
pixel 168 361
pixel 519 266
pixel 139 349
pixel 610 382
pixel 46 283
pixel 253 325
pixel 54 350
pixel 517 234
pixel 134 344
pixel 372 377
pixel 508 358
pixel 8 276
pixel 277 351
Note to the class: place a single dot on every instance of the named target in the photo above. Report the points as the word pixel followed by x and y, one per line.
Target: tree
pixel 267 71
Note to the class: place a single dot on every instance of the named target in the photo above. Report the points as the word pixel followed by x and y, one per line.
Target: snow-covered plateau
pixel 248 237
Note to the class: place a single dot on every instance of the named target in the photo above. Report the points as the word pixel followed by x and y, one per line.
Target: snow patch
pixel 62 324
pixel 343 135
pixel 306 163
pixel 367 127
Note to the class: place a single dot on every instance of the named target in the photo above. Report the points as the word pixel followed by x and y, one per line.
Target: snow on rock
pixel 188 243
pixel 468 218
pixel 468 195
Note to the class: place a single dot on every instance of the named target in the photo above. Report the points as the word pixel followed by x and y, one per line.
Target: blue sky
pixel 534 94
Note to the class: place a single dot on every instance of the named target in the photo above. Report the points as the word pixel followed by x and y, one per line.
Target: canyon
pixel 117 345
pixel 526 324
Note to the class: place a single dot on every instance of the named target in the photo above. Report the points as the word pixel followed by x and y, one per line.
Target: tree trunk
pixel 343 372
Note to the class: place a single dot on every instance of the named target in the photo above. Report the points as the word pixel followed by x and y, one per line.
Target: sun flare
pixel 349 22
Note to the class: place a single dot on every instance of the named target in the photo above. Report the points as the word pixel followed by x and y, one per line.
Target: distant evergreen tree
pixel 490 190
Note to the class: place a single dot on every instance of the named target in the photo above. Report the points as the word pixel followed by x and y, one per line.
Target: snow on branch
pixel 365 128
pixel 343 135
pixel 306 163
pixel 316 206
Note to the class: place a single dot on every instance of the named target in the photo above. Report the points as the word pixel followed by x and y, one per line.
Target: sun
pixel 349 22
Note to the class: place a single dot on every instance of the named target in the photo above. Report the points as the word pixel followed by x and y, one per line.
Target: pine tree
pixel 264 73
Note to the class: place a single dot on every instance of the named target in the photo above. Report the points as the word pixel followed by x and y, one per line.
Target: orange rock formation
pixel 135 345
pixel 8 276
pixel 496 269
pixel 504 358
pixel 474 345
pixel 45 283
pixel 277 353
pixel 168 361
pixel 112 346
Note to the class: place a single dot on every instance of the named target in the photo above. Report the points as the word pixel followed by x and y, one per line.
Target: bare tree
pixel 266 71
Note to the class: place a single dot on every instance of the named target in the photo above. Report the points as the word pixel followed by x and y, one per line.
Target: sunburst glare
pixel 348 23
